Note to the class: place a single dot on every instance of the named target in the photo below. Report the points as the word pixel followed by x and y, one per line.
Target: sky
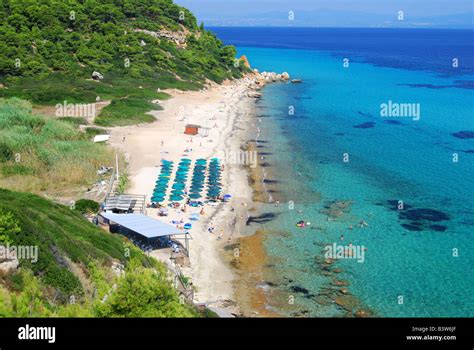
pixel 334 13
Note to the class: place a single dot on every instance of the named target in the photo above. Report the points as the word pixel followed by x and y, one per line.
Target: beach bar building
pixel 191 129
pixel 144 228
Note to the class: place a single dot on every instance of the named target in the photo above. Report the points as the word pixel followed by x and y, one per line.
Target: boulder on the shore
pixel 254 94
pixel 264 78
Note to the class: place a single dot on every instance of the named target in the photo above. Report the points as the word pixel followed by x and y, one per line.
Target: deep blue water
pixel 422 252
pixel 417 49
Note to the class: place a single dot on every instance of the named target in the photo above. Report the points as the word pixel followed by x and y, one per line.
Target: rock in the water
pixel 464 134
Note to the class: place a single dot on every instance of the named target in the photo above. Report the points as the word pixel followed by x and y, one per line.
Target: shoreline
pixel 227 111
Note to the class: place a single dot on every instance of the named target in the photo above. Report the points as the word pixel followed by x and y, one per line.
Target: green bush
pixel 86 206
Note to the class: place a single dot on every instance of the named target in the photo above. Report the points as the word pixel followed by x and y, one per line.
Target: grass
pixel 74 259
pixel 131 97
pixel 126 111
pixel 58 232
pixel 39 153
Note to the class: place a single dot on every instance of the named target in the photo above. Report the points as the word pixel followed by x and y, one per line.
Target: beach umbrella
pixel 194 217
pixel 157 199
pixel 214 185
pixel 227 197
pixel 177 192
pixel 177 186
pixel 188 226
pixel 201 161
pixel 213 179
pixel 195 196
pixel 213 194
pixel 161 186
pixel 176 198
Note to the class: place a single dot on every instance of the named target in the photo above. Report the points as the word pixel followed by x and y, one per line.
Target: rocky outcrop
pixel 259 80
pixel 8 260
pixel 97 76
pixel 245 61
pixel 178 37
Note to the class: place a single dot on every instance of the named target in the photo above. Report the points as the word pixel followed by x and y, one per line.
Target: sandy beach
pixel 226 110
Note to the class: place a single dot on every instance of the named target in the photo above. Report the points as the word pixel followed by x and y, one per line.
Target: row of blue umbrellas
pixel 197 182
pixel 181 177
pixel 161 184
pixel 214 187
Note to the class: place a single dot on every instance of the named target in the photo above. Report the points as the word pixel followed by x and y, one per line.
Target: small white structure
pixel 101 138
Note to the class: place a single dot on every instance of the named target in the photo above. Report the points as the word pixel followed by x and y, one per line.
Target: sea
pixel 374 151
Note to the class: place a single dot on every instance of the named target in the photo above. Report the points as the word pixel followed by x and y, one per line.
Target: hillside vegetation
pixel 72 275
pixel 50 48
pixel 39 153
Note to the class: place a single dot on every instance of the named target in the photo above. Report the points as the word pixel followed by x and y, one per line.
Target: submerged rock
pixel 366 125
pixel 424 214
pixel 464 134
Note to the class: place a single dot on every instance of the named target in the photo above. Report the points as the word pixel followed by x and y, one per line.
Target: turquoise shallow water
pixel 411 161
pixel 423 252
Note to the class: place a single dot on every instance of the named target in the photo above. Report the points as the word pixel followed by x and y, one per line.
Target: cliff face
pixel 245 61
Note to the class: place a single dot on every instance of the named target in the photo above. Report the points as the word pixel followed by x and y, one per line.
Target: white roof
pixel 143 225
pixel 101 138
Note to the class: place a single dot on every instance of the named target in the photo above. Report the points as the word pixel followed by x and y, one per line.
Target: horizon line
pixel 335 27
